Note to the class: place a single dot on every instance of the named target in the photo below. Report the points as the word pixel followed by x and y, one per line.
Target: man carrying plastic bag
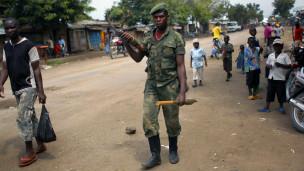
pixel 21 64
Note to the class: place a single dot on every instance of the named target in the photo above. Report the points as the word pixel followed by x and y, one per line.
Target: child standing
pixel 252 68
pixel 278 63
pixel 240 59
pixel 227 50
pixel 197 58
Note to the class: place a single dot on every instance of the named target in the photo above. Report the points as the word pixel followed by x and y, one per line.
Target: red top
pixel 298 33
pixel 119 43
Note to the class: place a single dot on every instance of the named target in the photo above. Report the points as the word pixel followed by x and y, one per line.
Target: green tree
pixel 282 7
pixel 115 14
pixel 249 12
pixel 179 12
pixel 236 11
pixel 44 13
pixel 219 8
pixel 200 10
pixel 130 12
pixel 134 11
pixel 254 11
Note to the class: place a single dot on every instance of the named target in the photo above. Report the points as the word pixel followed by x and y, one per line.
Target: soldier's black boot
pixel 173 155
pixel 154 160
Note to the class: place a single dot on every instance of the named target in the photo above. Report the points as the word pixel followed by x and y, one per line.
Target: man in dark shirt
pixel 21 65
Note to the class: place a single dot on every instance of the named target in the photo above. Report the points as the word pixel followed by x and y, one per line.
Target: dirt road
pixel 92 102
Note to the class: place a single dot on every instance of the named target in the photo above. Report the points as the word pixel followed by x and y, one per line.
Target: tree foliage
pixel 135 11
pixel 130 12
pixel 243 14
pixel 219 8
pixel 282 7
pixel 200 10
pixel 43 13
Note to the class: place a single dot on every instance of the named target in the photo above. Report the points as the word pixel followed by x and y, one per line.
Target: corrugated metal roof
pixel 91 24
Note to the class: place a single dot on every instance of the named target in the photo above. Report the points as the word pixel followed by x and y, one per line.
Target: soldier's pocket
pixel 174 87
pixel 168 49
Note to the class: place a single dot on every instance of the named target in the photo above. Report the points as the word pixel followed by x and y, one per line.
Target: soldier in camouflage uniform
pixel 21 64
pixel 227 49
pixel 166 81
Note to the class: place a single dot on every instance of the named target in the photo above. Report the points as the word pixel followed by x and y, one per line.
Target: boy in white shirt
pixel 197 58
pixel 278 63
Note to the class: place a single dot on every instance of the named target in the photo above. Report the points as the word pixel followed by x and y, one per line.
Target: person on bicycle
pixel 216 34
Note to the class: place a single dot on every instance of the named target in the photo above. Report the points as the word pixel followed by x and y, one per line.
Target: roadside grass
pixel 55 62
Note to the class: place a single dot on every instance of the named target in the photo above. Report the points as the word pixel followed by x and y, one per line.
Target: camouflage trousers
pixel 171 112
pixel 27 121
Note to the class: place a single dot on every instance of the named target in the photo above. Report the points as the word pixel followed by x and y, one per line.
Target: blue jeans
pixel 107 49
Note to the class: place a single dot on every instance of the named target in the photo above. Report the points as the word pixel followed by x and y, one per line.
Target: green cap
pixel 159 7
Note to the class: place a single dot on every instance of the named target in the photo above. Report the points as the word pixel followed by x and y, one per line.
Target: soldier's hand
pixel 181 98
pixel 126 37
pixel 42 98
pixel 1 91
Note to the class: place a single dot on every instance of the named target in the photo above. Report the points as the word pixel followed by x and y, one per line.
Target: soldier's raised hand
pixel 126 37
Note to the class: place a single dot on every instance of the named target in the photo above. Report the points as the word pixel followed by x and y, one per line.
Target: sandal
pixel 27 160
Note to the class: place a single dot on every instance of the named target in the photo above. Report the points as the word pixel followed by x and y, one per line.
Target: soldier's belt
pixel 170 102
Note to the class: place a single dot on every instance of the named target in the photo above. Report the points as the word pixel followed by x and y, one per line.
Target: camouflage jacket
pixel 161 63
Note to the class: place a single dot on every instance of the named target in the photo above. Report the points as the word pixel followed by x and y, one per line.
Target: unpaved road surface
pixel 91 102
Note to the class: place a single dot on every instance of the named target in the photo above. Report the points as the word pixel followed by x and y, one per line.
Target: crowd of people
pixel 248 61
pixel 58 49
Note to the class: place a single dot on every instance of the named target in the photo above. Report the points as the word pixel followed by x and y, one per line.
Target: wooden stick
pixel 170 102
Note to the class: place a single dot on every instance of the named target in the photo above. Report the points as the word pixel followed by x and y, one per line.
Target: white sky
pixel 102 5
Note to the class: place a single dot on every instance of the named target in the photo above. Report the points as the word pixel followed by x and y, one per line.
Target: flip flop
pixel 25 160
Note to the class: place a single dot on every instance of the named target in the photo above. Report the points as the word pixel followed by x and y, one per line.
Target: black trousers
pixel 276 87
pixel 253 78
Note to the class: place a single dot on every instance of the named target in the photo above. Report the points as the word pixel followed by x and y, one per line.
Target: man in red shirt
pixel 298 35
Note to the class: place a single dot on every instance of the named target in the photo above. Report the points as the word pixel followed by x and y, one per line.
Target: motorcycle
pixel 117 48
pixel 295 90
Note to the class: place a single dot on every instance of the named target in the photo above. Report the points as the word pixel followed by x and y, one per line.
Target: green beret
pixel 159 7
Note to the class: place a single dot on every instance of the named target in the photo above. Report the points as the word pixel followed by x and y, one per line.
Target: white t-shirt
pixel 278 73
pixel 197 57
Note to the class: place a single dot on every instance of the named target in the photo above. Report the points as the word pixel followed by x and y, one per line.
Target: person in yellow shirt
pixel 216 34
pixel 216 31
